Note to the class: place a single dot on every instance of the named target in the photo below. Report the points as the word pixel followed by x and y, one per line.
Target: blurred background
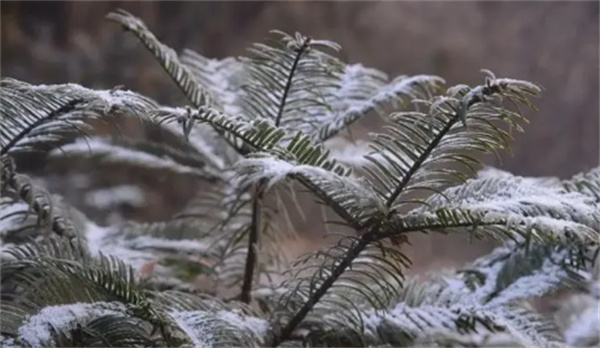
pixel 554 44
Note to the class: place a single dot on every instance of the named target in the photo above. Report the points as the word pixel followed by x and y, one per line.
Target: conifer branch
pixel 62 109
pixel 255 225
pixel 351 254
pixel 487 90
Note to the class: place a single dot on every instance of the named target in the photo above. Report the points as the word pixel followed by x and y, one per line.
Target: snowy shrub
pixel 268 125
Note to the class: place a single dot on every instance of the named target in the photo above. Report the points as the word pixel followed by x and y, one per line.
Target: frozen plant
pixel 252 125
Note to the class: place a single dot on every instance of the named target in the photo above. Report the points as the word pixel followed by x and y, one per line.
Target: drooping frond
pixel 50 214
pixel 258 134
pixel 116 330
pixel 65 281
pixel 41 118
pixel 586 183
pixel 71 306
pixel 536 212
pixel 221 329
pixel 512 273
pixel 166 57
pixel 312 165
pixel 42 329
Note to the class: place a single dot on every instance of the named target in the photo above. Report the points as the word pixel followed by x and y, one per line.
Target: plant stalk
pixel 251 255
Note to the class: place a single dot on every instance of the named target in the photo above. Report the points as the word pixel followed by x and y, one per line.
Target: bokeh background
pixel 554 44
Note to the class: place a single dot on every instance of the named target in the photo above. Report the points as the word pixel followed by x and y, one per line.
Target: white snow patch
pixel 36 331
pixel 10 217
pixel 108 197
pixel 585 329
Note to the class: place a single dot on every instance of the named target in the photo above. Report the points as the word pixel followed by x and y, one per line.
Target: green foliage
pixel 255 123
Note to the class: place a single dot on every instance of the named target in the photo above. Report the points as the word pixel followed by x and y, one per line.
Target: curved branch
pixel 69 106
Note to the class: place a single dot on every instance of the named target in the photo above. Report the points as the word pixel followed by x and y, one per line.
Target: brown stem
pixel 251 256
pixel 288 84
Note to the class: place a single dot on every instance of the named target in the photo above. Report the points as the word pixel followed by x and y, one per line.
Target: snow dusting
pixel 37 330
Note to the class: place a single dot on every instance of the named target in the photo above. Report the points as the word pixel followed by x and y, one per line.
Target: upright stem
pixel 259 190
pixel 288 84
pixel 251 256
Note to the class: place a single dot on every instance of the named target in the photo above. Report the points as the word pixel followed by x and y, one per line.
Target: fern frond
pixel 347 196
pixel 221 329
pixel 166 56
pixel 358 277
pixel 223 78
pixel 537 212
pixel 111 330
pixel 51 214
pixel 363 90
pixel 40 329
pixel 41 118
pixel 258 134
pixel 423 147
pixel 285 78
pixel 23 112
pixel 586 183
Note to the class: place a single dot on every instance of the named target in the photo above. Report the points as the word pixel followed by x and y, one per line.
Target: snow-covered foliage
pixel 213 274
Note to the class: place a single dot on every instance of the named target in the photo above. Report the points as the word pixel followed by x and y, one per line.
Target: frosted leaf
pixel 188 323
pixel 526 202
pixel 37 329
pixel 12 216
pixel 257 326
pixel 550 276
pixel 208 329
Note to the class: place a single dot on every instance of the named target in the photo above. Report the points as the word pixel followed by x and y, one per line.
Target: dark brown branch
pixel 69 106
pixel 288 84
pixel 251 257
